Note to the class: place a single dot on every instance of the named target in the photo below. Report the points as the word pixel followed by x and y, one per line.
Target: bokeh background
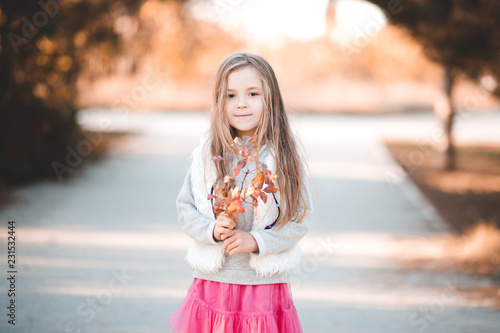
pixel 395 101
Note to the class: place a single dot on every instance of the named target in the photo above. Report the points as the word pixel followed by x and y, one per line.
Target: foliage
pixel 460 35
pixel 46 46
pixel 230 198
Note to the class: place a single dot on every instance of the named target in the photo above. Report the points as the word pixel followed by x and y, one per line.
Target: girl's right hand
pixel 224 227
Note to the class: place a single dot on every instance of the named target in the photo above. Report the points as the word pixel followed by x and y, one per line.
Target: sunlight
pixel 400 298
pixel 172 239
pixel 354 171
pixel 266 21
pixel 357 20
pixel 129 292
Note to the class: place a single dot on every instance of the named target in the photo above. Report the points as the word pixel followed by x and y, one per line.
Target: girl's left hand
pixel 240 241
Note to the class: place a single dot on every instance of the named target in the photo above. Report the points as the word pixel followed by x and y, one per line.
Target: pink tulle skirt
pixel 234 308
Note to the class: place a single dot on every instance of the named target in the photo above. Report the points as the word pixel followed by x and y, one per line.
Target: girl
pixel 241 268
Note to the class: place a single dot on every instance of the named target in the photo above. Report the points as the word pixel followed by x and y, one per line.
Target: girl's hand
pixel 240 241
pixel 224 227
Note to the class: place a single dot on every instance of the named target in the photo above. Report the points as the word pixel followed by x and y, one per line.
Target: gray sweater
pixel 236 268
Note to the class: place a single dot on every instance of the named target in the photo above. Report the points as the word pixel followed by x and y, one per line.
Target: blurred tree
pixel 460 35
pixel 45 46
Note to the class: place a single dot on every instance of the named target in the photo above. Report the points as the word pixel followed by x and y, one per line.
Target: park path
pixel 102 251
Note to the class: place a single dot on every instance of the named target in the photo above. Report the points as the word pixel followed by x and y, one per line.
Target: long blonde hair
pixel 274 129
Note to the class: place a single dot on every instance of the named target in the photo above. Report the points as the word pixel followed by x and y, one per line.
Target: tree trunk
pixel 444 148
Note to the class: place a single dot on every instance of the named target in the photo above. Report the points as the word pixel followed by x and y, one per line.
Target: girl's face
pixel 244 101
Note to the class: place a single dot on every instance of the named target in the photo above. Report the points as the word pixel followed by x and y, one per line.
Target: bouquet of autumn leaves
pixel 228 197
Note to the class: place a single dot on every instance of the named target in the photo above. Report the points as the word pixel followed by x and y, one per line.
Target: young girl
pixel 241 268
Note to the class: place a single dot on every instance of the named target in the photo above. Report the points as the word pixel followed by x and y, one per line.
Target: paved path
pixel 102 251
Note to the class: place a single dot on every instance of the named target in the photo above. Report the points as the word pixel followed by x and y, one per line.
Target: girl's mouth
pixel 243 115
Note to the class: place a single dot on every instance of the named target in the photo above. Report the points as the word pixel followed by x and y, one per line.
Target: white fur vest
pixel 209 258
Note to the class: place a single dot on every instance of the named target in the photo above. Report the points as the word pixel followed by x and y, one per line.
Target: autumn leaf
pixel 241 164
pixel 250 190
pixel 230 198
pixel 270 189
pixel 218 212
pixel 236 172
pixel 238 141
pixel 258 179
pixel 234 193
pixel 228 179
pixel 236 206
pixel 263 196
pixel 227 201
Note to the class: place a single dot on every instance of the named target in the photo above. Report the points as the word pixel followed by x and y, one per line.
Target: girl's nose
pixel 242 103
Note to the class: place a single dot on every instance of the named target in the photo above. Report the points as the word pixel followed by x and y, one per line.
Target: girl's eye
pixel 253 94
pixel 230 95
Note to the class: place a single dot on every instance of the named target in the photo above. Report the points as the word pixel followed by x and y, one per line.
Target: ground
pixel 464 196
pixel 102 251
